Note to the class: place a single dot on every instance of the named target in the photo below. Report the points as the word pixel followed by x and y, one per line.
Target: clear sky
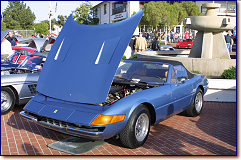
pixel 41 8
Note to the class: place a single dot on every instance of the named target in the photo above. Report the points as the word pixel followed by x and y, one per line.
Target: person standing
pixel 172 37
pixel 132 44
pixel 175 37
pixel 224 33
pixel 141 44
pixel 38 36
pixel 14 41
pixel 6 48
pixel 168 38
pixel 230 33
pixel 155 46
pixel 228 42
pixel 186 35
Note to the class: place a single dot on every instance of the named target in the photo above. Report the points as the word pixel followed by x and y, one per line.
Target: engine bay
pixel 121 90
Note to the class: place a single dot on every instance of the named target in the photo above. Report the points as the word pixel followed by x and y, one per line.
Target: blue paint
pixel 72 72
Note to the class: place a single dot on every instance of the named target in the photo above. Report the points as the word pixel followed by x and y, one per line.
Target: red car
pixel 188 43
pixel 23 52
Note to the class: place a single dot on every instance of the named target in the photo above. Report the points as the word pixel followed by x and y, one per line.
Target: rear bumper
pixel 67 130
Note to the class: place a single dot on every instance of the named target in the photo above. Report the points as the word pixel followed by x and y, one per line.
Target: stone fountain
pixel 210 42
pixel 209 54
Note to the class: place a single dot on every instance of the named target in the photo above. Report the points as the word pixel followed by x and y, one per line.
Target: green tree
pixel 155 14
pixel 191 8
pixel 18 16
pixel 42 27
pixel 60 20
pixel 3 26
pixel 159 14
pixel 84 14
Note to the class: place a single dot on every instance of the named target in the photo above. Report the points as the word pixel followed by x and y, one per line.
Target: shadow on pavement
pixel 19 123
pixel 160 136
pixel 30 149
pixel 219 121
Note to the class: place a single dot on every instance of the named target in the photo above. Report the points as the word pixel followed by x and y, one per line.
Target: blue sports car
pixel 89 93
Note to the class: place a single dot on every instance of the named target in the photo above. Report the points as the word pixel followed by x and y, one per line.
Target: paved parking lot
pixel 211 133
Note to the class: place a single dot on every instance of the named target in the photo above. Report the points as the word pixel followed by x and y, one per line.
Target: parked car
pixel 166 48
pixel 78 95
pixel 188 43
pixel 143 93
pixel 18 83
pixel 20 53
pixel 37 43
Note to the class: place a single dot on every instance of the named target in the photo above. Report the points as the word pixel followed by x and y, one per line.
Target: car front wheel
pixel 7 100
pixel 137 128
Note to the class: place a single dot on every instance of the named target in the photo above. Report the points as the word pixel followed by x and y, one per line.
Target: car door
pixel 181 88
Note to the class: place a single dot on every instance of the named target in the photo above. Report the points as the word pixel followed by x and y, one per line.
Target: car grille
pixel 55 122
pixel 32 89
pixel 62 124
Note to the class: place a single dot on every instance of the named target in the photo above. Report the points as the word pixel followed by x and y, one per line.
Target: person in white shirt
pixel 6 48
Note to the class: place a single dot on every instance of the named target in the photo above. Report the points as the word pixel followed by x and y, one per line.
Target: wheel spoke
pixel 6 101
pixel 198 102
pixel 141 127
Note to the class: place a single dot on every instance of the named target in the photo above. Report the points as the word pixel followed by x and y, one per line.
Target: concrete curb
pixel 222 84
pixel 221 90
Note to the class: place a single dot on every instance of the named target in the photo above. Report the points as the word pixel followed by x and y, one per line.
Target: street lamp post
pixel 50 14
pixel 50 24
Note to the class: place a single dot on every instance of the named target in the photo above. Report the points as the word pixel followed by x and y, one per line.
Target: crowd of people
pixel 174 37
pixel 148 41
pixel 140 43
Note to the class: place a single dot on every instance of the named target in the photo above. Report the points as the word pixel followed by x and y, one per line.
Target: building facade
pixel 228 8
pixel 114 11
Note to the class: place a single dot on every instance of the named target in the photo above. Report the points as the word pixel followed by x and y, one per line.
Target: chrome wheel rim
pixel 199 102
pixel 142 127
pixel 6 101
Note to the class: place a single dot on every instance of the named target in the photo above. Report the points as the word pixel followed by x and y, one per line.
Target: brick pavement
pixel 211 133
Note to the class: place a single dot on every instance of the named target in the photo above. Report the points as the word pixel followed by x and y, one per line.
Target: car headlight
pixel 107 119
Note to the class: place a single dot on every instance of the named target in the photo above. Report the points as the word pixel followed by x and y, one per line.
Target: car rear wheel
pixel 137 128
pixel 7 100
pixel 197 105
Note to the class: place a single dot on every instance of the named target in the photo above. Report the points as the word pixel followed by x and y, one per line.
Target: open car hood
pixel 84 58
pixel 38 43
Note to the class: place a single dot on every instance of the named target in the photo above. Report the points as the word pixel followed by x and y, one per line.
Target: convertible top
pixel 172 62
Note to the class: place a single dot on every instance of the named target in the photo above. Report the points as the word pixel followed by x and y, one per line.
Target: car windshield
pixel 30 62
pixel 23 52
pixel 11 58
pixel 149 72
pixel 17 52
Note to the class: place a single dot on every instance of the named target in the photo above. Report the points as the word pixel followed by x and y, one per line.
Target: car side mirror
pixel 182 80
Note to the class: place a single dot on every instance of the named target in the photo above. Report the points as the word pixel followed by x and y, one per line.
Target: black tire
pixel 8 100
pixel 128 135
pixel 193 110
